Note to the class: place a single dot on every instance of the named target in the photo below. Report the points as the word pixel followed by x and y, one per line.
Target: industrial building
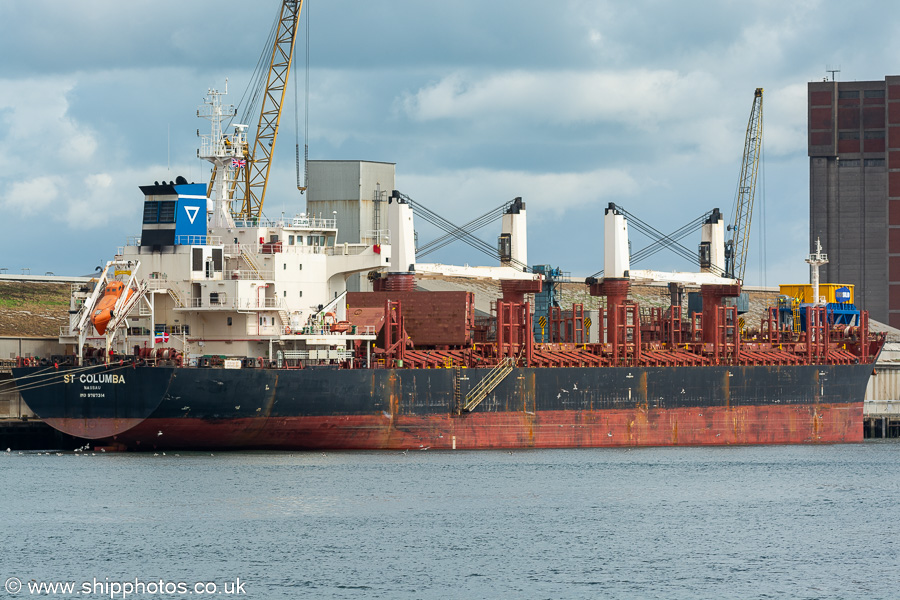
pixel 854 188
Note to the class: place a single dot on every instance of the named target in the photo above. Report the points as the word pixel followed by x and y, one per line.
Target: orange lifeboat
pixel 341 327
pixel 103 312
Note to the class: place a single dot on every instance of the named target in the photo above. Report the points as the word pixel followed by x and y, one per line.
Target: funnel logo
pixel 192 212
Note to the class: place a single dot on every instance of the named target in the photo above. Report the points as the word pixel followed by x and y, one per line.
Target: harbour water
pixel 733 522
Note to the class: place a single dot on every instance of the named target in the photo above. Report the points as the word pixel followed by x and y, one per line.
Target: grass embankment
pixel 32 309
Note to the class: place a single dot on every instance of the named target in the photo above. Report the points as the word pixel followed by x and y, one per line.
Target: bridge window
pixel 167 212
pixel 151 212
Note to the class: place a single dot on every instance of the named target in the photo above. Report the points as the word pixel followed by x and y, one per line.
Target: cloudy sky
pixel 571 104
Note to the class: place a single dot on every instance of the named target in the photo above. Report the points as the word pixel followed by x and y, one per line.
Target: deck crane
pixel 736 247
pixel 250 187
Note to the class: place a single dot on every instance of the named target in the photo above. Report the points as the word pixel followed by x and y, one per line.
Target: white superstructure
pixel 229 287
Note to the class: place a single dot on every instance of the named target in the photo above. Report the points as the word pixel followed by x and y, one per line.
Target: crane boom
pixel 740 231
pixel 256 172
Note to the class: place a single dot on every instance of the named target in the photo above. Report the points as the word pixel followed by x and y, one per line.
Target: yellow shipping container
pixel 804 291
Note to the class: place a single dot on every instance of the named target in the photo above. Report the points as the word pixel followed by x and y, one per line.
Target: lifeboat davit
pixel 103 312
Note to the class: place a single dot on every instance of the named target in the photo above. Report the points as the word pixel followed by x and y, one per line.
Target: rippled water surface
pixel 744 522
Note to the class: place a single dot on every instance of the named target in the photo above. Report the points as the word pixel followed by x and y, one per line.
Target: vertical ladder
pixel 795 313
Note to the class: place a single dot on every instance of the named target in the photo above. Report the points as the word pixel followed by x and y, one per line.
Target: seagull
pixel 164 453
pixel 558 396
pixel 9 449
pixel 159 434
pixel 575 386
pixel 609 434
pixel 102 449
pixel 155 454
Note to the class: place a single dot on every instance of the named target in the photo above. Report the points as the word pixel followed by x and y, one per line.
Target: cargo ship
pixel 216 329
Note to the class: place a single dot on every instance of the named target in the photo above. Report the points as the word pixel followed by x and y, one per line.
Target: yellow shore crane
pixel 251 187
pixel 736 247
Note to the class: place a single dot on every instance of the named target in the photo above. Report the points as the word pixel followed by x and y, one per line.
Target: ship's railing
pixel 324 354
pixel 261 303
pixel 198 240
pixel 249 275
pixel 304 249
pixel 225 302
pixel 346 249
pixel 181 240
pixel 375 236
pixel 299 222
pixel 325 330
pixel 278 247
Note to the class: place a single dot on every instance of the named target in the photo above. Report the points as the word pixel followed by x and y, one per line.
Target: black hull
pixel 168 407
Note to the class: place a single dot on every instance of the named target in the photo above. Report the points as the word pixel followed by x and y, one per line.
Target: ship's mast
pixel 815 261
pixel 225 152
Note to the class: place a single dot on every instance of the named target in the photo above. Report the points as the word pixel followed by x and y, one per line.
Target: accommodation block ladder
pixel 488 384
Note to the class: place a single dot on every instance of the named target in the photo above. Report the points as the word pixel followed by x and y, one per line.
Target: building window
pixel 874 162
pixel 301 293
pixel 285 293
pixel 848 135
pixel 285 267
pixel 878 134
pixel 229 321
pixel 850 162
pixel 874 94
pixel 848 94
pixel 290 240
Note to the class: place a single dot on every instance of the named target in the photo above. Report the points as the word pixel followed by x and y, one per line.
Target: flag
pixel 238 164
pixel 162 336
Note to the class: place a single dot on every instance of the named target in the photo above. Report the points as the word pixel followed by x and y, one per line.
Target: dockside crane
pixel 250 186
pixel 736 247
